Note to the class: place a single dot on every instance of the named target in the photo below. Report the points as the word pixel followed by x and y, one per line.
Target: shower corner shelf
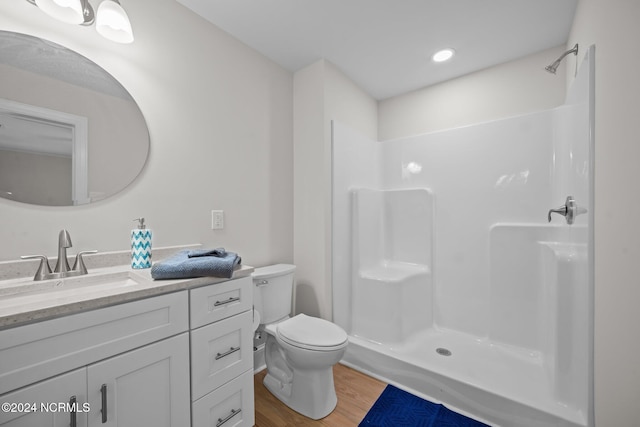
pixel 394 271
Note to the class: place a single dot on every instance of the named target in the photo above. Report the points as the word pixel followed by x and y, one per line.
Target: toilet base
pixel 310 393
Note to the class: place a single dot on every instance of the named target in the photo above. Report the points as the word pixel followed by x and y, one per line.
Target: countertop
pixel 24 301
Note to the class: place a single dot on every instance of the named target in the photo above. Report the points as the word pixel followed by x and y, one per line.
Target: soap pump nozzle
pixel 141 225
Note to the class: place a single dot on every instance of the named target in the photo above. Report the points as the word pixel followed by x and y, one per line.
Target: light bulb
pixel 69 11
pixel 443 55
pixel 113 23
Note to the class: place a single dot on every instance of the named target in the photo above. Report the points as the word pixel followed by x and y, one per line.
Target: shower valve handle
pixel 570 210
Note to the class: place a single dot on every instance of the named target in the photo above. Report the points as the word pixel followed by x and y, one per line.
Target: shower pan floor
pixel 451 358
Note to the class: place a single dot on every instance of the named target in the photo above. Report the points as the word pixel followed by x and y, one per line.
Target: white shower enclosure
pixel 449 278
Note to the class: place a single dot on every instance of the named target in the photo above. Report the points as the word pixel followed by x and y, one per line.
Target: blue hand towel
pixel 180 266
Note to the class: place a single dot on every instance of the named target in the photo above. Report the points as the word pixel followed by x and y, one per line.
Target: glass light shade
pixel 69 11
pixel 113 23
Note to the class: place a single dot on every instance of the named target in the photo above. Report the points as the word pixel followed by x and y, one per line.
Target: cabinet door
pixel 144 387
pixel 49 403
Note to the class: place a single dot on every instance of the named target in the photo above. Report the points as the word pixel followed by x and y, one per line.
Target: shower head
pixel 554 66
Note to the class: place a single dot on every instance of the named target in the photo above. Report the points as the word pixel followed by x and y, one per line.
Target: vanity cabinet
pixel 147 386
pixel 222 354
pixel 177 359
pixel 126 358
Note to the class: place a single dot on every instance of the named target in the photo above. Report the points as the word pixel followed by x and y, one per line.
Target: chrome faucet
pixel 64 242
pixel 62 268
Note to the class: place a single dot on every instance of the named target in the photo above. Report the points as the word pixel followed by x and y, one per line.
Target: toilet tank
pixel 273 291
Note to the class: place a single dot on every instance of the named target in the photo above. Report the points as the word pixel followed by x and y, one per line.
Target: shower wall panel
pixel 563 269
pixel 488 173
pixel 356 164
pixel 392 232
pixel 520 314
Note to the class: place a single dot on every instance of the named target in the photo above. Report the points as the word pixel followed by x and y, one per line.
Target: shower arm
pixel 552 68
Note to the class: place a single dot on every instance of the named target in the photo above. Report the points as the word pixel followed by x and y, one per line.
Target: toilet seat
pixel 312 333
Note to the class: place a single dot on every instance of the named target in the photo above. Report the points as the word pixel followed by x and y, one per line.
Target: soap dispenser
pixel 140 246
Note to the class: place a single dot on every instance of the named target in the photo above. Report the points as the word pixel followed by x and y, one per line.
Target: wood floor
pixel 356 394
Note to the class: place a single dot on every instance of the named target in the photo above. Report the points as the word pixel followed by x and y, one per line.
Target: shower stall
pixel 447 274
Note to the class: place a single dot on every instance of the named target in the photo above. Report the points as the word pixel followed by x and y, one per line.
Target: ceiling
pixel 385 46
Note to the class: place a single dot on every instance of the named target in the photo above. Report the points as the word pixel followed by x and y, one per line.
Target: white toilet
pixel 300 351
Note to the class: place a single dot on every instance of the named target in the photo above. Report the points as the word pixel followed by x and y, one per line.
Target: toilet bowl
pixel 300 364
pixel 300 351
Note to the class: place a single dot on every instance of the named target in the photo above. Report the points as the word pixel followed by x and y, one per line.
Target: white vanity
pixel 125 350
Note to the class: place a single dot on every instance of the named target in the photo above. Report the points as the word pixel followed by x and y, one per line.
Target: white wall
pixel 220 122
pixel 309 176
pixel 322 93
pixel 509 89
pixel 612 25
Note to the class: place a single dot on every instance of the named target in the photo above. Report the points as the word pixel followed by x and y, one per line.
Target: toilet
pixel 300 351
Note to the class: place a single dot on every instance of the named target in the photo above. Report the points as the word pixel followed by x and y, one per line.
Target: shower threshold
pixel 499 385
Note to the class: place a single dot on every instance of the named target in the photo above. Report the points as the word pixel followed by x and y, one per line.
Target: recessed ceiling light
pixel 443 55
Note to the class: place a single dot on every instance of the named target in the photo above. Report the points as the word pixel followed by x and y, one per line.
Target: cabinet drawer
pixel 220 352
pixel 229 406
pixel 215 302
pixel 33 352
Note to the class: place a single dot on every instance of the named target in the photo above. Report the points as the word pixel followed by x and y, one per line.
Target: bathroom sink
pixel 59 291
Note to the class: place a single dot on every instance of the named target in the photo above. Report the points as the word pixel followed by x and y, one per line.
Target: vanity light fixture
pixel 111 20
pixel 443 55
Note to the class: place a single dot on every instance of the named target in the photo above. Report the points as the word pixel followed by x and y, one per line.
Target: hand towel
pixel 180 266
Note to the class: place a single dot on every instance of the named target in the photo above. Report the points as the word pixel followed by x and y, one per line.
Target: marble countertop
pixel 24 301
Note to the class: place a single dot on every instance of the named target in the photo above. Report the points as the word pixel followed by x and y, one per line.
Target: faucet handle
pixel 562 210
pixel 78 265
pixel 43 269
pixel 570 210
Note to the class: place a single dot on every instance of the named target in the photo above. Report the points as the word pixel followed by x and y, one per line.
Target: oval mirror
pixel 70 134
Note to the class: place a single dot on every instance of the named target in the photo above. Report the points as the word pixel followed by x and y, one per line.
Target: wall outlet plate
pixel 217 220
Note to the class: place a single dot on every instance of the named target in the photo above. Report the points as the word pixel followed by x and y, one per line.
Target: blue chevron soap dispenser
pixel 141 246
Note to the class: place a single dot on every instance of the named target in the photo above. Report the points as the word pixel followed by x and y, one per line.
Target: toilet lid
pixel 311 332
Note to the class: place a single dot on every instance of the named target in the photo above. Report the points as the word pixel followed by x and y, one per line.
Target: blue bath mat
pixel 397 408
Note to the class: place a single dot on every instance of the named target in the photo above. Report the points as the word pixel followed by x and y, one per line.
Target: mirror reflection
pixel 70 134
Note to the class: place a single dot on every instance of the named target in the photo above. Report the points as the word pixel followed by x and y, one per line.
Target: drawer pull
pixel 103 393
pixel 225 302
pixel 72 406
pixel 228 352
pixel 233 413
